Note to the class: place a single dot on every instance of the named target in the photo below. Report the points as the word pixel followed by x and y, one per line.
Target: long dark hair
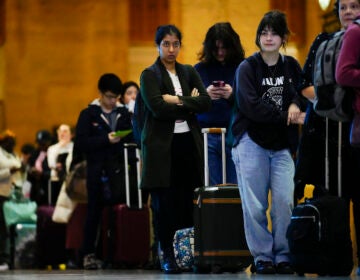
pixel 336 8
pixel 224 32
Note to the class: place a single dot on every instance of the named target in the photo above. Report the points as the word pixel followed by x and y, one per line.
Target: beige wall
pixel 2 71
pixel 197 18
pixel 55 51
pixel 194 17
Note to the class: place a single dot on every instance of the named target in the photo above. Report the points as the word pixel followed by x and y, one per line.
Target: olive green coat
pixel 157 134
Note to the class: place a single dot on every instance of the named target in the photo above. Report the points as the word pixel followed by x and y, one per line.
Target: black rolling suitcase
pixel 220 243
pixel 319 231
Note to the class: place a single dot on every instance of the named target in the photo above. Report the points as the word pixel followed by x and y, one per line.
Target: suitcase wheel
pixel 236 269
pixel 216 269
pixel 201 269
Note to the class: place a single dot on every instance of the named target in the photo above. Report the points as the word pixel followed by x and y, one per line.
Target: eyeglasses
pixel 110 96
pixel 167 44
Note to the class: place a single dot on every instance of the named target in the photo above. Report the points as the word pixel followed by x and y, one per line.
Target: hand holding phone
pixel 218 83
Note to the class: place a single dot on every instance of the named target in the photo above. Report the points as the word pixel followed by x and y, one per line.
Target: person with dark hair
pixel 221 54
pixel 97 141
pixel 310 167
pixel 128 94
pixel 26 152
pixel 171 142
pixel 10 175
pixel 39 173
pixel 265 135
pixel 130 90
pixel 348 74
pixel 27 149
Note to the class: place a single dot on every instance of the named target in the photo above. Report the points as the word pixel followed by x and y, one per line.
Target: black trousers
pixel 173 206
pixel 94 211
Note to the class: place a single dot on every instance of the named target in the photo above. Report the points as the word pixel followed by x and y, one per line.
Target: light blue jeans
pixel 215 161
pixel 259 171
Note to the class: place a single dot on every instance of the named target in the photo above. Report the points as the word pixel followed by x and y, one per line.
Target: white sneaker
pixel 4 267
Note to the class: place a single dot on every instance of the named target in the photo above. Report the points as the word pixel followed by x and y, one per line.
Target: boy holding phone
pixel 97 140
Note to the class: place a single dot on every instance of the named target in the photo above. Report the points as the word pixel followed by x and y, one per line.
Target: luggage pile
pixel 319 231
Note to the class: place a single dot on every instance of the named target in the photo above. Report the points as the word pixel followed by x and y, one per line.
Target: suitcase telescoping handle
pixel 214 130
pixel 339 156
pixel 49 192
pixel 127 180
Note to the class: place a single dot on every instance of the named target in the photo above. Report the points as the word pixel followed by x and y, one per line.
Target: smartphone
pixel 218 83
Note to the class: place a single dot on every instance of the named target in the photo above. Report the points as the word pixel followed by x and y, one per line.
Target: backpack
pixel 319 237
pixel 331 100
pixel 140 109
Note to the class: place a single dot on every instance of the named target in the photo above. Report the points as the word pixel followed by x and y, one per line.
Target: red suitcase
pixel 75 236
pixel 50 237
pixel 126 229
pixel 75 227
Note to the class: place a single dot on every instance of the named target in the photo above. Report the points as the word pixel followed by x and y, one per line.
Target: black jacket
pixel 91 137
pixel 253 111
pixel 159 125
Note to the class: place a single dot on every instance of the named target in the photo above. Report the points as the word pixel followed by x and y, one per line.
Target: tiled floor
pixel 143 275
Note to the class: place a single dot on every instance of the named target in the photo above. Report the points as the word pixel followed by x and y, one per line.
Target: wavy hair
pixel 224 32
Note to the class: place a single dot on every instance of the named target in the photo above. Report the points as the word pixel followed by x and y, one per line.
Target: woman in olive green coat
pixel 171 141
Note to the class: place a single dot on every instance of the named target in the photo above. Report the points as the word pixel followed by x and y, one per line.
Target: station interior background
pixel 52 52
